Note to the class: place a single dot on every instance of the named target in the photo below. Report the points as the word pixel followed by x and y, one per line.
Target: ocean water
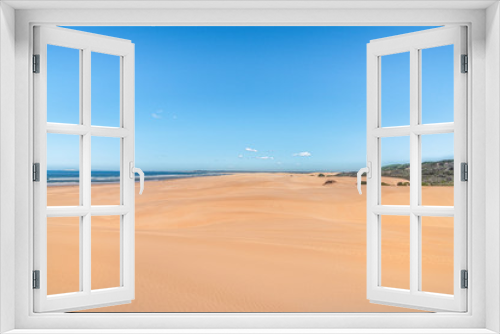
pixel 68 177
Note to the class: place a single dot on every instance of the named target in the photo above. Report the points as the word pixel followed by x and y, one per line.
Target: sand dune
pixel 252 243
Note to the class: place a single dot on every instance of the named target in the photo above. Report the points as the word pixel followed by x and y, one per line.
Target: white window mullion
pixel 373 183
pixel 40 156
pixel 123 176
pixel 430 129
pixel 405 210
pixel 68 129
pixel 414 171
pixel 78 129
pixel 127 225
pixel 460 156
pixel 80 211
pixel 420 129
pixel 85 172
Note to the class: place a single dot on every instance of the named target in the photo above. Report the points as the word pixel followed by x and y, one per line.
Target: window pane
pixel 395 259
pixel 63 255
pixel 437 254
pixel 105 171
pixel 395 171
pixel 63 170
pixel 437 84
pixel 437 169
pixel 63 85
pixel 105 90
pixel 105 252
pixel 395 89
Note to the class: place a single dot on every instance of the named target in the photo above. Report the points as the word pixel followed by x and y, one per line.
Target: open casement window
pixel 417 130
pixel 73 221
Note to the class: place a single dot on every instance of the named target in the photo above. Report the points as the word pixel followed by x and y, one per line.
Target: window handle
pixel 368 171
pixel 139 171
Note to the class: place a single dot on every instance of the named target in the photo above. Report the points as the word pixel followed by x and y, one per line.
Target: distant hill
pixel 434 173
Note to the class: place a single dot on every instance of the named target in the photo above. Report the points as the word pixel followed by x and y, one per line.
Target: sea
pixel 72 177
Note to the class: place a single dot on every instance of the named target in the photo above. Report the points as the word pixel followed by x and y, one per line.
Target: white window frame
pixel 483 213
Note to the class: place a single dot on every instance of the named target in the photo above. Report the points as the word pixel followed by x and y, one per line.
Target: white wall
pixel 492 165
pixel 7 118
pixel 279 17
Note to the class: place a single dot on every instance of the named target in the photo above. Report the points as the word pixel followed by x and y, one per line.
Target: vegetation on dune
pixel 434 173
pixel 329 182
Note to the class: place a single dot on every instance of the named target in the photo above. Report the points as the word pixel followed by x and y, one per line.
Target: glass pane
pixel 105 90
pixel 395 171
pixel 105 252
pixel 437 254
pixel 63 170
pixel 63 85
pixel 437 84
pixel 395 89
pixel 63 255
pixel 395 257
pixel 105 171
pixel 437 169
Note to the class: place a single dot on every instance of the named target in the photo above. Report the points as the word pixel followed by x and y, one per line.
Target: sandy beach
pixel 255 242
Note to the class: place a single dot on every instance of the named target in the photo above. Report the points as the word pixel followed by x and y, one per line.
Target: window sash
pixel 413 43
pixel 85 298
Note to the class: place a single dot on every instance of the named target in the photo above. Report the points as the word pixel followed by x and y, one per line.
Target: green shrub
pixel 321 175
pixel 385 184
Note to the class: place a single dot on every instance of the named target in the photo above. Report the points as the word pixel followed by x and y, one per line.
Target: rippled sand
pixel 251 243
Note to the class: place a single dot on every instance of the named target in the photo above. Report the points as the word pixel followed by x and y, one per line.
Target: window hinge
pixel 36 172
pixel 465 279
pixel 36 63
pixel 36 279
pixel 465 64
pixel 465 171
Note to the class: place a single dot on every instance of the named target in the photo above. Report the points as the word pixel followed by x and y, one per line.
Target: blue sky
pixel 250 98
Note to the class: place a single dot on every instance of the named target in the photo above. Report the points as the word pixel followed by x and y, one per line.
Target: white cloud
pixel 156 115
pixel 302 154
pixel 266 158
pixel 240 156
pixel 250 149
